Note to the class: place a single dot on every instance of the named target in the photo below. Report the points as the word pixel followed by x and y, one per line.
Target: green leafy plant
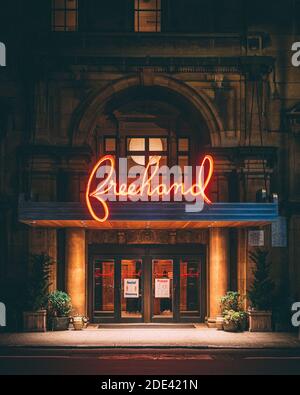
pixel 261 292
pixel 238 318
pixel 38 281
pixel 232 301
pixel 59 304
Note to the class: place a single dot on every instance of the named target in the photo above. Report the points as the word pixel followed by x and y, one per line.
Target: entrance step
pixel 147 326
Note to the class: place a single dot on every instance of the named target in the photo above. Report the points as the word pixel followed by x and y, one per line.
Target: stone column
pixel 76 269
pixel 218 270
pixel 242 263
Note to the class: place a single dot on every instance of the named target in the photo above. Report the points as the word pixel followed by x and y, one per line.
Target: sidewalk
pixel 198 337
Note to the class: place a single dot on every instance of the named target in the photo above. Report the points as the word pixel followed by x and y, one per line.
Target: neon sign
pixel 150 183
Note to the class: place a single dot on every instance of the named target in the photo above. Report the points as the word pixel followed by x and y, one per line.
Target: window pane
pixel 163 160
pixel 183 145
pixel 147 4
pixel 104 286
pixel 137 160
pixel 162 272
pixel 158 144
pixel 149 21
pixel 131 280
pixel 110 144
pixel 183 161
pixel 59 18
pixel 71 4
pixel 136 144
pixel 189 288
pixel 58 4
pixel 71 20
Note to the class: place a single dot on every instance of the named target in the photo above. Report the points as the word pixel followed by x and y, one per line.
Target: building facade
pixel 138 79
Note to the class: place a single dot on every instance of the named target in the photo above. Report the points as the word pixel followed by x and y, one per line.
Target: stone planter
pixel 260 321
pixel 60 323
pixel 231 327
pixel 35 321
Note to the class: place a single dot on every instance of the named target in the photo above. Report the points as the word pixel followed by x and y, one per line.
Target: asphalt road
pixel 148 362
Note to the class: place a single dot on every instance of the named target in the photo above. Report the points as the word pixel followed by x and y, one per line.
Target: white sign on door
pixel 131 288
pixel 162 288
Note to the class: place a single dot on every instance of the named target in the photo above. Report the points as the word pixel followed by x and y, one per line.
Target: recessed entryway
pixel 148 284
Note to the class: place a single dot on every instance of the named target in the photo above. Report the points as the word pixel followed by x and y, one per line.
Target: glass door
pixel 104 288
pixel 131 289
pixel 162 289
pixel 190 288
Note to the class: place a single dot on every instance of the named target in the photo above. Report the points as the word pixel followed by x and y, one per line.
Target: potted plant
pixel 234 321
pixel 59 308
pixel 261 294
pixel 34 318
pixel 231 303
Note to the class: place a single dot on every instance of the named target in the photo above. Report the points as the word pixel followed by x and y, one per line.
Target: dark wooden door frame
pixel 147 253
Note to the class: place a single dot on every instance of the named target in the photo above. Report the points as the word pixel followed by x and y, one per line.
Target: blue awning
pixel 62 214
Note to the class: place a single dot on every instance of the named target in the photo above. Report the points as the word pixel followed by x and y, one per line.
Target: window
pixel 110 145
pixel 64 15
pixel 147 16
pixel 183 151
pixel 140 150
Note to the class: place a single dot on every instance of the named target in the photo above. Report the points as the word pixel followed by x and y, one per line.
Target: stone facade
pixel 64 92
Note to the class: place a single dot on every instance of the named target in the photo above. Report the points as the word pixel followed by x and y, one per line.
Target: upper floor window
pixel 147 16
pixel 141 150
pixel 64 15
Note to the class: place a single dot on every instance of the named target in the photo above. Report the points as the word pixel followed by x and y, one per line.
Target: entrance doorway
pixel 147 284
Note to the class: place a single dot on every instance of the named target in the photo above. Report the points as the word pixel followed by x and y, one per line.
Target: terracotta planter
pixel 35 321
pixel 260 321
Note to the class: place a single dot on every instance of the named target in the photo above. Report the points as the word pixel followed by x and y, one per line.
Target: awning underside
pixel 129 215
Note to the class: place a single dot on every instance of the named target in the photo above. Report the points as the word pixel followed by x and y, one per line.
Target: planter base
pixel 35 321
pixel 60 323
pixel 260 321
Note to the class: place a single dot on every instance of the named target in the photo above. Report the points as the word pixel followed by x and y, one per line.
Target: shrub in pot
pixel 231 303
pixel 234 321
pixel 59 309
pixel 37 290
pixel 261 294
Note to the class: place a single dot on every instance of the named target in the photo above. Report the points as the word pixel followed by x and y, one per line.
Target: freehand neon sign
pixel 150 183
